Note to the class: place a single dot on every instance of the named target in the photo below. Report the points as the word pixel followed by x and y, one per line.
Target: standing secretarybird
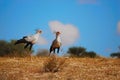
pixel 56 44
pixel 29 40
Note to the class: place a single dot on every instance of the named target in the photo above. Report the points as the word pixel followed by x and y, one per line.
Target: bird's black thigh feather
pixel 20 41
pixel 27 44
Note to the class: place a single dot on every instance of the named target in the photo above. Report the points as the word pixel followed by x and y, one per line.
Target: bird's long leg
pixel 50 49
pixel 30 46
pixel 26 45
pixel 58 49
pixel 54 50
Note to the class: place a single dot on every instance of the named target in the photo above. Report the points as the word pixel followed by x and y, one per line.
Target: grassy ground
pixel 32 68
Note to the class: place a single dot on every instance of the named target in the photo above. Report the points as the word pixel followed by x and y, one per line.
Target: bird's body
pixel 29 40
pixel 32 38
pixel 56 44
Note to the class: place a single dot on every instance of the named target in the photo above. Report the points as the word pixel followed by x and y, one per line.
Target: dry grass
pixel 53 64
pixel 32 68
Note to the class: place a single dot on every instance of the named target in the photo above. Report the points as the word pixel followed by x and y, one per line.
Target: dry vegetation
pixel 39 68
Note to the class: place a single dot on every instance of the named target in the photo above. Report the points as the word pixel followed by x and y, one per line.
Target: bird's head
pixel 38 31
pixel 58 33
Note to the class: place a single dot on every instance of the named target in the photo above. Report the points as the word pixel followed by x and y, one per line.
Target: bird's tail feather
pixel 20 41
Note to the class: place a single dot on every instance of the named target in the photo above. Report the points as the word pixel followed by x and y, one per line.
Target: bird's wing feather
pixel 30 38
pixel 55 43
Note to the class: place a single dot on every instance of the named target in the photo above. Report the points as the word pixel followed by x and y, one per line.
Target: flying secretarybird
pixel 29 40
pixel 56 44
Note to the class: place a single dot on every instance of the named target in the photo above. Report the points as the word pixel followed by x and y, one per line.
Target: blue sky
pixel 98 21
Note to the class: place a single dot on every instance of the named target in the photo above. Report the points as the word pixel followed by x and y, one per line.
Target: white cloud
pixel 118 27
pixel 108 49
pixel 42 41
pixel 69 33
pixel 88 1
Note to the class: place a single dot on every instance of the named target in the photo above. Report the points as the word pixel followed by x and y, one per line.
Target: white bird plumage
pixel 29 40
pixel 33 38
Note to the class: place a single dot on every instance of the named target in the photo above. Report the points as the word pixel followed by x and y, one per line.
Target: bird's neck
pixel 37 33
pixel 58 38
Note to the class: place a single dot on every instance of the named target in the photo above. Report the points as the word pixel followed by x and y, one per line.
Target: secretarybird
pixel 29 40
pixel 56 44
